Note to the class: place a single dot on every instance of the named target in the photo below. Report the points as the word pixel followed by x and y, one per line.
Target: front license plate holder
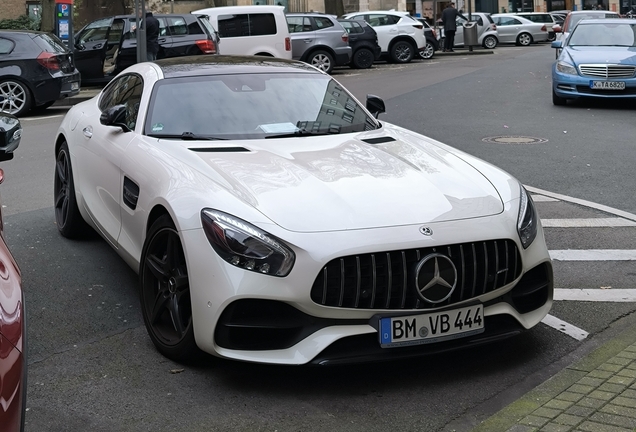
pixel 607 85
pixel 431 327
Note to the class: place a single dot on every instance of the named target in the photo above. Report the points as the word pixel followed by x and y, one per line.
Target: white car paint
pixel 325 197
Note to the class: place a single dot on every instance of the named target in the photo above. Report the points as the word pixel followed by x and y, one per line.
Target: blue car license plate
pixel 607 85
pixel 431 327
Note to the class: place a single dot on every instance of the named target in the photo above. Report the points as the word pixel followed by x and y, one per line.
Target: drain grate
pixel 514 139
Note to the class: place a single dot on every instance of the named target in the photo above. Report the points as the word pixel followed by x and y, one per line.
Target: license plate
pixel 607 85
pixel 432 327
pixel 74 86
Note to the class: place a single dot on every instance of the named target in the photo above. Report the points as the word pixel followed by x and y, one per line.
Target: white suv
pixel 400 36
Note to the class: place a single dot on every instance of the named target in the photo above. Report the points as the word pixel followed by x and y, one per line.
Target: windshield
pixel 574 20
pixel 253 106
pixel 604 35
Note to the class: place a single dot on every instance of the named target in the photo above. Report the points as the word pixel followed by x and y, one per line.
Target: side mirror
pixel 115 116
pixel 375 105
pixel 10 135
pixel 557 44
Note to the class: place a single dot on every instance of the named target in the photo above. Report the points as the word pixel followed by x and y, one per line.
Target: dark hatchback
pixel 363 41
pixel 36 69
pixel 107 46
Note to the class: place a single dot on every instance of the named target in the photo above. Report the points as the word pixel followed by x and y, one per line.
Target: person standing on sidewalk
pixel 152 36
pixel 449 17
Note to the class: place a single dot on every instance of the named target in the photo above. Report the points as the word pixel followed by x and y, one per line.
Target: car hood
pixel 602 55
pixel 342 182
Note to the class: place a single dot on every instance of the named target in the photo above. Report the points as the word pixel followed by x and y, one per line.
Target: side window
pixel 114 36
pixel 356 28
pixel 125 90
pixel 377 20
pixel 262 24
pixel 6 46
pixel 247 25
pixel 163 27
pixel 95 31
pixel 322 22
pixel 195 28
pixel 298 24
pixel 514 21
pixel 177 26
pixel 392 19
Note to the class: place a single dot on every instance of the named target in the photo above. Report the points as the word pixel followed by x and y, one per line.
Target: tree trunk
pixel 48 16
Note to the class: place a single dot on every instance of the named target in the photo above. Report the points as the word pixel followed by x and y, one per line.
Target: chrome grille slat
pixel 386 280
pixel 607 70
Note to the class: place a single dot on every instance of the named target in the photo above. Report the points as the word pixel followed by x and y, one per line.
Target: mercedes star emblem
pixel 426 231
pixel 435 278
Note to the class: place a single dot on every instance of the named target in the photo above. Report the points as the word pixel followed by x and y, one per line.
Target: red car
pixel 13 367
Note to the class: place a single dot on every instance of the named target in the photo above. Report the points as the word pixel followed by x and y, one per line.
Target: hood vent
pixel 379 140
pixel 219 149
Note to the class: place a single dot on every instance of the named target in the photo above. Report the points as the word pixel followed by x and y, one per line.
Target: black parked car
pixel 363 41
pixel 432 43
pixel 105 47
pixel 36 69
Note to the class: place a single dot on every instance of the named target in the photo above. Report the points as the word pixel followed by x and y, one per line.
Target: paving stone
pixel 589 402
pixel 561 404
pixel 627 354
pixel 619 361
pixel 569 396
pixel 619 410
pixel 549 413
pixel 581 411
pixel 533 420
pixel 590 426
pixel 600 374
pixel 615 420
pixel 555 427
pixel 591 381
pixel 630 393
pixel 522 428
pixel 598 394
pixel 617 379
pixel 610 367
pixel 627 373
pixel 568 419
pixel 626 402
pixel 579 388
pixel 612 388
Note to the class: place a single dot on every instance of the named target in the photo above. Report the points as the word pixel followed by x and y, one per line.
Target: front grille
pixel 607 71
pixel 386 280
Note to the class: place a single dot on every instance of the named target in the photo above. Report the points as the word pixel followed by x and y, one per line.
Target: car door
pixel 302 34
pixel 91 44
pixel 99 153
pixel 177 39
pixel 385 26
pixel 508 28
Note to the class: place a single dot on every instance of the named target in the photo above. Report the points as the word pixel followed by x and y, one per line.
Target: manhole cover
pixel 514 139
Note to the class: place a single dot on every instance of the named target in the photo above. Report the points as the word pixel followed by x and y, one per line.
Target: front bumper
pixel 343 56
pixel 253 317
pixel 575 86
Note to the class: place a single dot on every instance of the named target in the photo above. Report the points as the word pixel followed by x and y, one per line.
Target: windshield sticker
pixel 278 128
pixel 157 127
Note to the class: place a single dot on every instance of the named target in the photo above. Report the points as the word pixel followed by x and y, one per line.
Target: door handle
pixel 88 131
pixel 162 40
pixel 307 40
pixel 98 46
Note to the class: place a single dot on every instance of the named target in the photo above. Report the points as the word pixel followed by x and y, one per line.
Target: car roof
pixel 607 21
pixel 593 12
pixel 226 64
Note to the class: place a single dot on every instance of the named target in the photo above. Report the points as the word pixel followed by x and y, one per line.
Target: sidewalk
pixel 595 394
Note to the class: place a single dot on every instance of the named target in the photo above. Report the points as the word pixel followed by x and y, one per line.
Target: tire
pixel 15 97
pixel 402 52
pixel 551 36
pixel 524 39
pixel 490 42
pixel 362 59
pixel 67 215
pixel 428 51
pixel 557 100
pixel 164 292
pixel 322 60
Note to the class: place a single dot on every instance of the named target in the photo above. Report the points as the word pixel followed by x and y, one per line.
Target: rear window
pixel 50 43
pixel 322 23
pixel 352 26
pixel 6 46
pixel 240 25
pixel 208 26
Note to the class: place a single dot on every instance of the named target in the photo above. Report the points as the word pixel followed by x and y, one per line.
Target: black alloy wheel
pixel 165 292
pixel 362 59
pixel 68 219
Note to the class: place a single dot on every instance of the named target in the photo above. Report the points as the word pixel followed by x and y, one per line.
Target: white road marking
pixel 596 295
pixel 543 198
pixel 585 203
pixel 588 223
pixel 594 255
pixel 562 326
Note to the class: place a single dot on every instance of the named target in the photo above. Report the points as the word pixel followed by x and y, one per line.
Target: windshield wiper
pixel 301 132
pixel 187 136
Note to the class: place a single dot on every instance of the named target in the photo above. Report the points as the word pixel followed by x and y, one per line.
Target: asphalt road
pixel 93 367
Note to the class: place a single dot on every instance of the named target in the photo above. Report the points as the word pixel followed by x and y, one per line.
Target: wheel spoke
pixel 182 282
pixel 174 308
pixel 159 306
pixel 157 267
pixel 62 170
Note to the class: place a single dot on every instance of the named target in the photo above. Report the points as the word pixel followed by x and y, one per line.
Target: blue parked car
pixel 597 60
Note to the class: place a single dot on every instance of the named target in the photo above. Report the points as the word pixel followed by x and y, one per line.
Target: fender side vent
pixel 219 149
pixel 378 140
pixel 131 193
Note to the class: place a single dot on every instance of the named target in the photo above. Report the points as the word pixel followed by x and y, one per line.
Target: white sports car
pixel 272 218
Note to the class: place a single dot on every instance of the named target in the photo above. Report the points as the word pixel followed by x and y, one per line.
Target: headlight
pixel 566 68
pixel 243 245
pixel 527 220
